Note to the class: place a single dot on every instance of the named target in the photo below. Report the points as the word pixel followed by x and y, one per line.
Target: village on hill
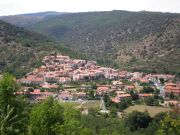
pixel 74 80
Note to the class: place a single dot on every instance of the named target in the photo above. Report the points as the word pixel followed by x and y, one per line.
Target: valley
pixel 90 73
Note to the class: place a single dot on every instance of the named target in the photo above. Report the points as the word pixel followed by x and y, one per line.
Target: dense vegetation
pixel 148 41
pixel 21 50
pixel 18 117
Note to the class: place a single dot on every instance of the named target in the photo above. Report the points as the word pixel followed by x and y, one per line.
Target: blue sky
pixel 10 7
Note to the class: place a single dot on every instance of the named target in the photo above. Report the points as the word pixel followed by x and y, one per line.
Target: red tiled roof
pixel 19 92
pixel 130 87
pixel 170 84
pixel 115 100
pixel 120 92
pixel 36 92
pixel 102 88
pixel 143 80
pixel 145 95
pixel 124 95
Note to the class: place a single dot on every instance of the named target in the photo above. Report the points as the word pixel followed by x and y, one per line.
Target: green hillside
pixel 148 41
pixel 21 50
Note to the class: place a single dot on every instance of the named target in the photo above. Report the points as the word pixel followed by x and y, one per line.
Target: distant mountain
pixel 44 14
pixel 21 50
pixel 29 19
pixel 148 41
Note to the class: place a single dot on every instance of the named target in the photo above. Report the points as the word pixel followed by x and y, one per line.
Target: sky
pixel 11 7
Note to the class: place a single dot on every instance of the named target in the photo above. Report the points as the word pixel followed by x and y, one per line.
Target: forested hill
pixel 21 50
pixel 148 41
pixel 135 40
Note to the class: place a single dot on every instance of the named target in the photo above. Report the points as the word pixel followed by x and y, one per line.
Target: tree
pixel 169 126
pixel 124 104
pixel 91 94
pixel 94 86
pixel 71 124
pixel 8 120
pixel 136 120
pixel 10 103
pixel 8 87
pixel 61 87
pixel 71 114
pixel 113 112
pixel 162 80
pixel 156 93
pixel 159 117
pixel 151 129
pixel 172 96
pixel 45 116
pixel 134 96
pixel 107 100
pixel 147 89
pixel 100 124
pixel 71 127
pixel 149 101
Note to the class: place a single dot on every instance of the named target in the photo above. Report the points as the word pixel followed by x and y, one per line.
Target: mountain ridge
pixel 147 41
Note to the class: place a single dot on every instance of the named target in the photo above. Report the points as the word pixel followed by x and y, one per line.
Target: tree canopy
pixel 49 117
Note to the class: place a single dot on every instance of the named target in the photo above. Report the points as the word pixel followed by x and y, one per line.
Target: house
pixel 102 90
pixel 129 87
pixel 47 94
pixel 117 83
pixel 143 80
pixel 49 86
pixel 120 92
pixel 50 77
pixel 86 87
pixel 122 74
pixel 124 96
pixel 65 95
pixel 62 57
pixel 32 79
pixel 91 63
pixel 64 79
pixel 120 95
pixel 79 95
pixel 35 94
pixel 115 99
pixel 172 88
pixel 166 77
pixel 137 74
pixel 42 69
pixel 144 95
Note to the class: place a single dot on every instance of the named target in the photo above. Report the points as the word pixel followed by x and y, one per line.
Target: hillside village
pixel 69 79
pixel 89 67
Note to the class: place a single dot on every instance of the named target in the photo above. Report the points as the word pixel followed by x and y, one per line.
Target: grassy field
pixel 91 104
pixel 82 104
pixel 153 110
